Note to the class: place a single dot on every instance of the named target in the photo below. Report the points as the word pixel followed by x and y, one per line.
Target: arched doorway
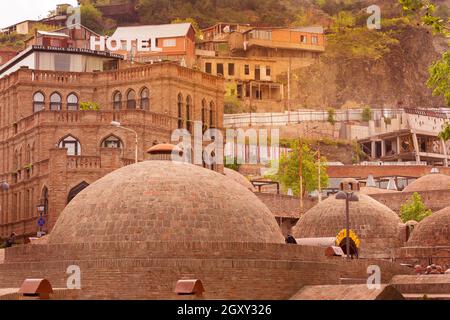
pixel 76 190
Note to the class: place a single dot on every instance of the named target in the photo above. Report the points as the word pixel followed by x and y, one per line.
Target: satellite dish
pixel 226 29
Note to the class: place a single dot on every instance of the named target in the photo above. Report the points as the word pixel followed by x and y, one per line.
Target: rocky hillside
pixel 393 74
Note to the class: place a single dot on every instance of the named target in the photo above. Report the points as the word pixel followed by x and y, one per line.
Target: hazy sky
pixel 14 11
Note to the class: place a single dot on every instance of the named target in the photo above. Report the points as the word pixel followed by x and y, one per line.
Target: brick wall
pixel 435 200
pixel 381 171
pixel 30 138
pixel 151 270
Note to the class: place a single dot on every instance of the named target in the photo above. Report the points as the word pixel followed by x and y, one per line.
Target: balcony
pixel 159 121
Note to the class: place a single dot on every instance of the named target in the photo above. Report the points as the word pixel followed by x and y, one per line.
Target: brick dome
pixel 165 201
pixel 239 178
pixel 432 181
pixel 375 190
pixel 432 231
pixel 377 226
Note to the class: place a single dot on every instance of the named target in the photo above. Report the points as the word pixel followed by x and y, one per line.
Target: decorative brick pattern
pixel 433 231
pixel 379 228
pixel 166 201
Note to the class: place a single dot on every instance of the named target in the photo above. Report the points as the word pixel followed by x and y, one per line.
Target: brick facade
pixel 30 160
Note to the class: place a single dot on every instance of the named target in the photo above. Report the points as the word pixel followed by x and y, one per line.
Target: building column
pixel 383 148
pixel 416 147
pixel 398 149
pixel 373 149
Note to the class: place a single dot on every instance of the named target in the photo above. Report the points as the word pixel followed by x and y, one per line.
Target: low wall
pixel 150 270
pixel 425 255
pixel 434 200
pixel 381 171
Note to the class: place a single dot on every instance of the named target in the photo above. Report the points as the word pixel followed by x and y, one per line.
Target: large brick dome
pixel 377 226
pixel 239 178
pixel 165 201
pixel 432 181
pixel 432 231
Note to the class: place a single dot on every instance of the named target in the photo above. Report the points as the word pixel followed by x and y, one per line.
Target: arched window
pixel 212 114
pixel 145 99
pixel 38 102
pixel 76 190
pixel 131 99
pixel 180 112
pixel 188 113
pixel 72 145
pixel 117 101
pixel 112 142
pixel 55 102
pixel 72 102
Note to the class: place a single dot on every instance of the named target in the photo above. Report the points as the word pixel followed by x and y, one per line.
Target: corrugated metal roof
pixel 154 31
pixel 312 29
pixel 53 34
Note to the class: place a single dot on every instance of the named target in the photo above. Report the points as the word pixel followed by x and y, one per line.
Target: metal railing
pixel 298 116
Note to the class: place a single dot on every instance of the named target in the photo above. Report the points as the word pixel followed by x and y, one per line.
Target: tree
pixel 414 209
pixel 288 173
pixel 439 80
pixel 445 133
pixel 91 17
pixel 193 22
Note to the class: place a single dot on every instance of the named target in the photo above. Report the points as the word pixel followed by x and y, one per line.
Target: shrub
pixel 367 114
pixel 86 106
pixel 332 116
pixel 414 209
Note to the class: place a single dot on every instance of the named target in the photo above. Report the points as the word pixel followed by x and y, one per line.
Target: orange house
pixel 175 42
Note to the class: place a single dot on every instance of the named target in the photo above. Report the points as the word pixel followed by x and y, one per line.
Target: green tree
pixel 193 22
pixel 439 80
pixel 414 209
pixel 91 17
pixel 288 172
pixel 344 19
pixel 445 133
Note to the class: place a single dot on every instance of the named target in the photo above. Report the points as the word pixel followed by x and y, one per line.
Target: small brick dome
pixel 377 226
pixel 165 201
pixel 432 181
pixel 239 178
pixel 432 231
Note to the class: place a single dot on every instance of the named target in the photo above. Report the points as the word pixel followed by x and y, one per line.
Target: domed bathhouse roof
pixel 375 190
pixel 165 201
pixel 432 181
pixel 377 227
pixel 239 178
pixel 432 231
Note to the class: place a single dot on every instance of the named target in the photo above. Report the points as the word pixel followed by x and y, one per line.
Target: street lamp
pixel 347 193
pixel 118 125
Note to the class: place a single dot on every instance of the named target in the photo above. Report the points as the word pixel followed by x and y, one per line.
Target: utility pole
pixel 319 197
pixel 289 91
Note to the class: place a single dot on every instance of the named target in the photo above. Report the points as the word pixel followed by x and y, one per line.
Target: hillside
pixel 391 71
